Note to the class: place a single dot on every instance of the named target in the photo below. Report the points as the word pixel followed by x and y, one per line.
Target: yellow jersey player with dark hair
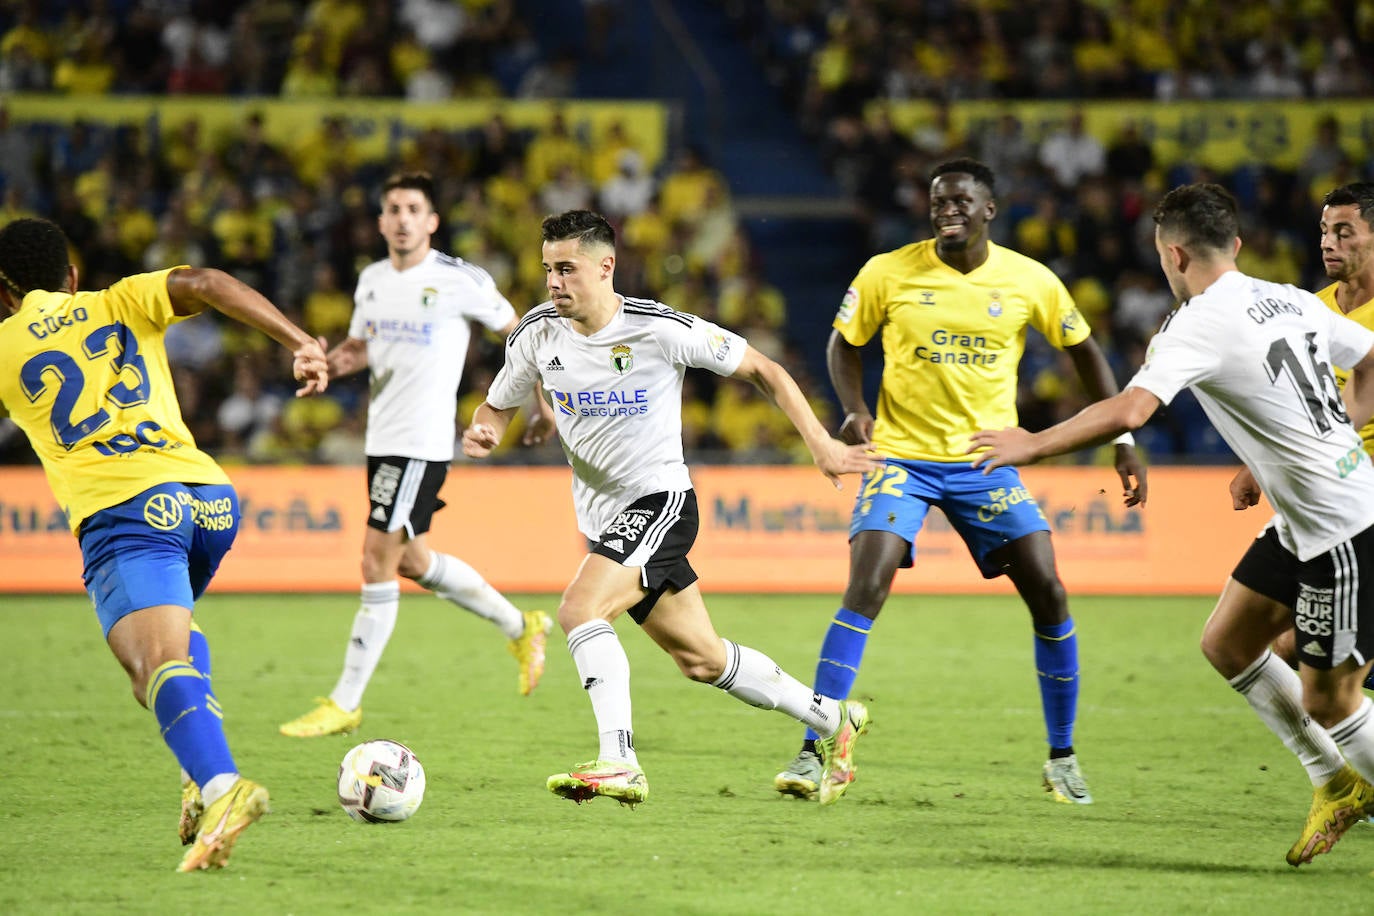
pixel 86 378
pixel 953 313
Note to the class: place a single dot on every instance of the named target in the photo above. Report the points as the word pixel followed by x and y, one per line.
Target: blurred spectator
pixel 629 190
pixel 18 158
pixel 552 147
pixel 567 190
pixel 174 244
pixel 248 411
pixel 87 69
pixel 1070 153
pixel 328 308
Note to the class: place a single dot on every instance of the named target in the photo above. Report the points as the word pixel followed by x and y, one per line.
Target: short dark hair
pixel 1358 194
pixel 1200 215
pixel 411 181
pixel 587 227
pixel 33 255
pixel 964 165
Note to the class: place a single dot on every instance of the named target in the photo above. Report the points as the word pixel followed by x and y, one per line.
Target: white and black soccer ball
pixel 381 782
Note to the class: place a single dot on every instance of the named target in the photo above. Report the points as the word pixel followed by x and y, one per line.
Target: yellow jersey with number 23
pixel 86 378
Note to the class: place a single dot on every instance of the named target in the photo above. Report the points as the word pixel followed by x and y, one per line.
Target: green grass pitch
pixel 1196 802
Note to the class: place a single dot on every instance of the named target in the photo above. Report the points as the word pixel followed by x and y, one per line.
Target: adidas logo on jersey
pixel 1314 649
pixel 554 365
pixel 615 544
pixel 379 514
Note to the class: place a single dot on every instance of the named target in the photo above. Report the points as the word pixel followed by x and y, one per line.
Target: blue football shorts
pixel 161 547
pixel 988 510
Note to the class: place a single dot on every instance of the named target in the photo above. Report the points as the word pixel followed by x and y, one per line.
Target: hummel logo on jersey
pixel 1314 649
pixel 590 682
pixel 554 365
pixel 358 641
pixel 615 544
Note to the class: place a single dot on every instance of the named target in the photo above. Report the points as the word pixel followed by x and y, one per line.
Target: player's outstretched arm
pixel 1099 422
pixel 193 289
pixel 486 430
pixel 832 456
pixel 1096 376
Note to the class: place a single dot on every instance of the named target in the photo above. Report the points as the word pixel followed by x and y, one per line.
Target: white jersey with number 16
pixel 1259 357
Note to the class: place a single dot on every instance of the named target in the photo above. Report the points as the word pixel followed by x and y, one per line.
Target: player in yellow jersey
pixel 953 313
pixel 86 378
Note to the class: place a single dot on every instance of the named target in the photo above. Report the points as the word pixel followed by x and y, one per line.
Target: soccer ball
pixel 380 782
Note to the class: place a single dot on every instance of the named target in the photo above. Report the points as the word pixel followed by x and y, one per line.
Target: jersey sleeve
pixel 357 325
pixel 145 296
pixel 1054 313
pixel 489 308
pixel 704 345
pixel 518 377
pixel 864 306
pixel 1178 356
pixel 1350 341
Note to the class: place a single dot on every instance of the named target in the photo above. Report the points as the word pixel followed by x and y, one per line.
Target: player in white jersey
pixel 1259 357
pixel 411 326
pixel 613 368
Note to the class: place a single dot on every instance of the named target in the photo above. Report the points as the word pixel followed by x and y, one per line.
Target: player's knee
pixel 410 569
pixel 1326 709
pixel 141 668
pixel 375 568
pixel 1217 655
pixel 1050 600
pixel 699 668
pixel 867 594
pixel 572 615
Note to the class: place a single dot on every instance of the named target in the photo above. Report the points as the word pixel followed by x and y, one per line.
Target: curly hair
pixel 976 170
pixel 33 255
pixel 587 227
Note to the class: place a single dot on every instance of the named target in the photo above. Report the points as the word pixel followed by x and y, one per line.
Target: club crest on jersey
pixel 429 296
pixel 162 511
pixel 927 297
pixel 622 359
pixel 848 304
pixel 1070 321
pixel 995 306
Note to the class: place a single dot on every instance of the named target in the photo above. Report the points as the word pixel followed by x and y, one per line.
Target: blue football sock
pixel 1056 662
pixel 191 721
pixel 199 655
pixel 841 653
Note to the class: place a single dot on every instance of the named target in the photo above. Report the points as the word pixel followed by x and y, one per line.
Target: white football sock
pixel 1355 736
pixel 216 786
pixel 452 579
pixel 605 673
pixel 1274 692
pixel 754 678
pixel 372 627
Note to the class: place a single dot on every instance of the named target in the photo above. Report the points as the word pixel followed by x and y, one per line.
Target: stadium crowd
pixel 300 223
